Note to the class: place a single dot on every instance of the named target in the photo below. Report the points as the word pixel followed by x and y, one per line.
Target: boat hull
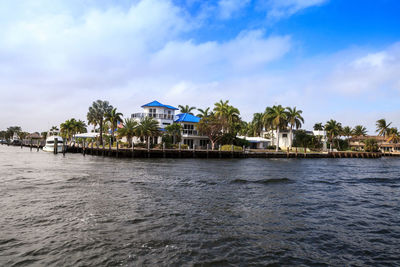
pixel 51 148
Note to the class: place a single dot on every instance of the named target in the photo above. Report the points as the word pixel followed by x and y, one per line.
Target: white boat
pixel 50 140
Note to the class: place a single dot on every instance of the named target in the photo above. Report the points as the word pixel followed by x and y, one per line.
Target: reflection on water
pixel 77 210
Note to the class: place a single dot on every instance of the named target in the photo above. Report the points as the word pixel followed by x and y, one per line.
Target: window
pixel 166 123
pixel 188 126
pixel 284 135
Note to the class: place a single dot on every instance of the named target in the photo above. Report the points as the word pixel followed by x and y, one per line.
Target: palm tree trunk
pixel 101 131
pixel 291 137
pixel 277 139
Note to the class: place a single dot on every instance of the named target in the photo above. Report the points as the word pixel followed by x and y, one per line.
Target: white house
pixel 163 114
pixel 190 135
pixel 257 142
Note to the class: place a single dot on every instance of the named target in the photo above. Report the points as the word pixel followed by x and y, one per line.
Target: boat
pixel 51 136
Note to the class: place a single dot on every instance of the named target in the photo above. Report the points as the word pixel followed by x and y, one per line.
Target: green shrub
pixel 229 148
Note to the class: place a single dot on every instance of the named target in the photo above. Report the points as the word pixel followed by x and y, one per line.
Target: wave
pixel 263 181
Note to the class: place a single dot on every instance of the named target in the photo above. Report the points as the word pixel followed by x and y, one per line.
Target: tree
pixel 347 131
pixel 113 117
pixel 318 127
pixel 359 130
pixel 211 127
pixel 174 130
pixel 370 145
pixel 96 114
pixel 13 129
pixel 257 124
pixel 204 112
pixel 333 129
pixel 382 127
pixel 232 119
pixel 294 119
pixel 71 127
pixel 303 139
pixel 393 135
pixel 186 109
pixel 277 118
pixel 129 130
pixel 148 127
pixel 54 128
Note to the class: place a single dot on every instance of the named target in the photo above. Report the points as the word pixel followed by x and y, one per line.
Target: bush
pixel 229 148
pixel 140 145
pixel 272 147
pixel 371 145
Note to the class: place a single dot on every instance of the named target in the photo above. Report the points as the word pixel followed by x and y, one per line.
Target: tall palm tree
pixel 113 117
pixel 220 108
pixel 186 109
pixel 96 114
pixel 318 127
pixel 257 123
pixel 277 118
pixel 382 127
pixel 294 119
pixel 232 118
pixel 333 129
pixel 203 112
pixel 129 130
pixel 360 130
pixel 148 127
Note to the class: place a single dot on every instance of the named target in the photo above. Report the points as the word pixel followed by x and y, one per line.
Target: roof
pixel 186 117
pixel 158 104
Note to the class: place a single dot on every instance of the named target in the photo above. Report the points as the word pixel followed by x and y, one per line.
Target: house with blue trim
pixel 190 135
pixel 165 115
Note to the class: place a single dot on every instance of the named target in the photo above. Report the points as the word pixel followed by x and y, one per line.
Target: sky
pixel 333 59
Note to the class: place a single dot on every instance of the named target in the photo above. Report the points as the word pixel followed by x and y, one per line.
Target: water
pixel 80 211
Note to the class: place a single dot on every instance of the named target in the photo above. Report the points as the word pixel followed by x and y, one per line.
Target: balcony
pixel 153 115
pixel 190 132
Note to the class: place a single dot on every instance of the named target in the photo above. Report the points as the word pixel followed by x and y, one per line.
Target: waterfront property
pixel 190 135
pixel 163 114
pixel 358 143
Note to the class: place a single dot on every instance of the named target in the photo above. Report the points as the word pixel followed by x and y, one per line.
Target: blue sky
pixel 331 58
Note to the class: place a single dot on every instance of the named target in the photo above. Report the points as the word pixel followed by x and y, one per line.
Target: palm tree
pixel 393 135
pixel 232 118
pixel 333 130
pixel 186 109
pixel 129 130
pixel 220 109
pixel 174 130
pixel 318 127
pixel 113 117
pixel 257 123
pixel 67 129
pixel 347 132
pixel 295 119
pixel 277 118
pixel 360 130
pixel 203 112
pixel 382 127
pixel 96 114
pixel 148 127
pixel 53 128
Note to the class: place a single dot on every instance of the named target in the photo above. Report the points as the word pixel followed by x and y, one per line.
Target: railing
pixel 189 132
pixel 153 115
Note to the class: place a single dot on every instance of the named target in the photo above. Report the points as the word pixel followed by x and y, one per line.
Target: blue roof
pixel 186 117
pixel 158 104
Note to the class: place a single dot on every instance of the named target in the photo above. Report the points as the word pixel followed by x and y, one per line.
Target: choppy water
pixel 80 211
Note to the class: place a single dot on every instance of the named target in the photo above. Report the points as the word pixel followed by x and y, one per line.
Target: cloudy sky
pixel 331 58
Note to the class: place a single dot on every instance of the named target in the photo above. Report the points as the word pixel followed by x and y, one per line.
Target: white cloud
pixel 57 60
pixel 228 8
pixel 284 8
